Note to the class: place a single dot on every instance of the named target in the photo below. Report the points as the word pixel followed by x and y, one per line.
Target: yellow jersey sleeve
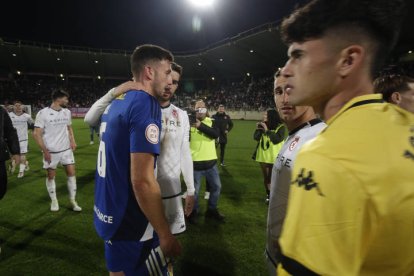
pixel 326 209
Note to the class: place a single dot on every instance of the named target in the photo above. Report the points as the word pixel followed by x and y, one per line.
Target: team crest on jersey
pixel 152 133
pixel 294 143
pixel 174 113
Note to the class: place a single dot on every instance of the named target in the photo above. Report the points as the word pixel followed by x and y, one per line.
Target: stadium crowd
pixel 243 95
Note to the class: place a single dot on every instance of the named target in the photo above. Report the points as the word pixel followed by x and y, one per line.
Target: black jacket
pixel 9 142
pixel 223 122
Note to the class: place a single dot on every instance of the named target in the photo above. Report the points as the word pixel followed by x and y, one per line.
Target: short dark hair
pixel 177 68
pixel 388 84
pixel 145 53
pixel 376 21
pixel 17 101
pixel 273 119
pixel 59 93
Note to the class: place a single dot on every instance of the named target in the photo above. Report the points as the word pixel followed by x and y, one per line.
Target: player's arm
pixel 322 232
pixel 187 167
pixel 38 135
pixel 278 136
pixel 71 138
pixel 94 114
pixel 147 192
pixel 30 122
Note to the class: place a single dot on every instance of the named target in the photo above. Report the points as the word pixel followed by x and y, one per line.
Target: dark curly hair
pixel 377 22
pixel 388 84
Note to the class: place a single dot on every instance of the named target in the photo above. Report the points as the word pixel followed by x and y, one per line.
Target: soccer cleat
pixel 54 206
pixel 222 164
pixel 267 199
pixel 27 166
pixel 91 143
pixel 20 175
pixel 75 206
pixel 215 214
pixel 207 195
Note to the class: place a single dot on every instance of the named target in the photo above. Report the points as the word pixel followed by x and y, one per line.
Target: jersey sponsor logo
pixel 174 113
pixel 294 143
pixel 307 182
pixel 102 217
pixel 152 133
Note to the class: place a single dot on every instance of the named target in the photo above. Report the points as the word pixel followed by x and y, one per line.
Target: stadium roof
pixel 256 51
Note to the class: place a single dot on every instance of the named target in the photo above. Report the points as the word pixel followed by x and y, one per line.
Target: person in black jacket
pixel 9 144
pixel 224 123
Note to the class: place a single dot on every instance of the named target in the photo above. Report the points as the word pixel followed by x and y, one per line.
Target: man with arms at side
pixel 21 122
pixel 54 135
pixel 224 124
pixel 175 155
pixel 351 200
pixel 303 125
pixel 129 215
pixel 396 89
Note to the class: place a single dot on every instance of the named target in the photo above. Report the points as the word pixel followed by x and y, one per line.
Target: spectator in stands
pixel 396 89
pixel 269 134
pixel 224 125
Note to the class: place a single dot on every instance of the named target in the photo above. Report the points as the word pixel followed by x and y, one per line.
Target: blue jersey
pixel 132 123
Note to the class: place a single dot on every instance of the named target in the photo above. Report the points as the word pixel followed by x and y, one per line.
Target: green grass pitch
pixel 35 241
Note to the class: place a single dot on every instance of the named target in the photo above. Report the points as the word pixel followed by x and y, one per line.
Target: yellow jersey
pixel 351 202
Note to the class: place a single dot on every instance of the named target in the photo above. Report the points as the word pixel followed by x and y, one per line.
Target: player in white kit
pixel 21 122
pixel 303 125
pixel 54 135
pixel 175 155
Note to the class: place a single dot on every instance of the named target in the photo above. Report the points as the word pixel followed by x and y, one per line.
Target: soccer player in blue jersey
pixel 128 210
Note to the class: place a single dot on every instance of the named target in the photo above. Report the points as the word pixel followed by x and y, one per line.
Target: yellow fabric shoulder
pixel 351 203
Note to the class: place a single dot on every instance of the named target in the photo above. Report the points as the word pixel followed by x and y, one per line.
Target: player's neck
pixel 165 103
pixel 304 118
pixel 55 106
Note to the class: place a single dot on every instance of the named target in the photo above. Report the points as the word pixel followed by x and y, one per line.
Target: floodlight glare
pixel 202 3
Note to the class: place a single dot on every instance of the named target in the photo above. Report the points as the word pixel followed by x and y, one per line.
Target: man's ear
pixel 148 72
pixel 395 97
pixel 350 59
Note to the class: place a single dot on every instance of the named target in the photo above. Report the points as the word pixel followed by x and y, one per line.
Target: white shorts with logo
pixel 64 158
pixel 173 208
pixel 23 146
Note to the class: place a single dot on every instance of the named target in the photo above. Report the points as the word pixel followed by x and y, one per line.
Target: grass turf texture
pixel 36 241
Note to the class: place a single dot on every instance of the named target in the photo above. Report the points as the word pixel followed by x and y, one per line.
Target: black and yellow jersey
pixel 351 202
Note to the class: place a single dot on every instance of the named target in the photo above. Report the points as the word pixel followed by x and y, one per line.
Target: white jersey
pixel 55 128
pixel 175 154
pixel 280 182
pixel 20 123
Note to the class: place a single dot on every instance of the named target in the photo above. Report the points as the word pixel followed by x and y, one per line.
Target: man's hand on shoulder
pixel 125 87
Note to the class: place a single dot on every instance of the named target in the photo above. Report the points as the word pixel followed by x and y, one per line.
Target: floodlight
pixel 202 3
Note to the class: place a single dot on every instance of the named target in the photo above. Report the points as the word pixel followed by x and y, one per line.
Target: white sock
pixel 72 187
pixel 51 188
pixel 22 167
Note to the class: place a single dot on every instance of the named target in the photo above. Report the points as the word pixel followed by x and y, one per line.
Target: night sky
pixel 124 24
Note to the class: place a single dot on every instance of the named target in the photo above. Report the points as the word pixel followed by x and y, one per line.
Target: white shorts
pixel 173 208
pixel 23 146
pixel 64 158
